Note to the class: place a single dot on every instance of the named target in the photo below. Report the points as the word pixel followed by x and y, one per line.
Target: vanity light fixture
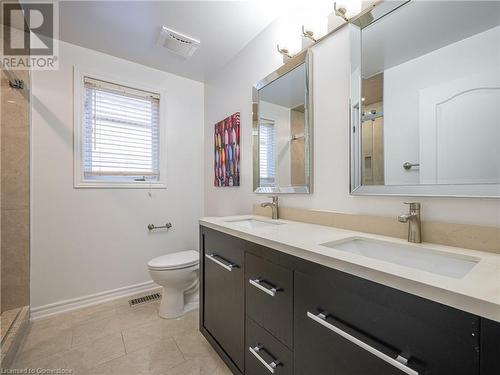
pixel 308 34
pixel 340 12
pixel 346 9
pixel 284 52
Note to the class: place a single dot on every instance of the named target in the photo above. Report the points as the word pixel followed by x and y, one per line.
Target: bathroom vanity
pixel 292 298
pixel 272 302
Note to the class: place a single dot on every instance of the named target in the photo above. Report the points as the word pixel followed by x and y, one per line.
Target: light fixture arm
pixel 308 34
pixel 283 51
pixel 341 12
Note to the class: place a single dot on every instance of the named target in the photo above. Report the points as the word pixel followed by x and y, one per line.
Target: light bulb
pixel 288 36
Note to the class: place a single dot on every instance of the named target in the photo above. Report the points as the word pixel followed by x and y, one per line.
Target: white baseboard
pixel 90 300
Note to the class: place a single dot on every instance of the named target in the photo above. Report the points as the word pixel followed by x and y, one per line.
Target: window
pixel 119 136
pixel 267 156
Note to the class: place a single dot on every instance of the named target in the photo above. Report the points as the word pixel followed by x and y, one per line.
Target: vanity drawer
pixel 269 296
pixel 264 354
pixel 224 246
pixel 365 326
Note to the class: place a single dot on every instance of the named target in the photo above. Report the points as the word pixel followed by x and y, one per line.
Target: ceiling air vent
pixel 178 43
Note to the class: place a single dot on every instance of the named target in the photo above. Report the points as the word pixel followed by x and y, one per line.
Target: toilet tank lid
pixel 175 260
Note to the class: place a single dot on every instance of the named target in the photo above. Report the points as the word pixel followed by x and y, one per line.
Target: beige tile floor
pixel 115 339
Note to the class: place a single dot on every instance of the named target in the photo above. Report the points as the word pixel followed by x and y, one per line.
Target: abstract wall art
pixel 227 151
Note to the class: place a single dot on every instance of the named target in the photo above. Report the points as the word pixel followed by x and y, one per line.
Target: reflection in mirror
pixel 372 130
pixel 282 132
pixel 425 100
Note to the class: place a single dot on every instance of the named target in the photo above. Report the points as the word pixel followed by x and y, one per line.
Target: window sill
pixel 119 185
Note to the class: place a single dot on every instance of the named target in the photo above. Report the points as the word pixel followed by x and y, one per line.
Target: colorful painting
pixel 227 151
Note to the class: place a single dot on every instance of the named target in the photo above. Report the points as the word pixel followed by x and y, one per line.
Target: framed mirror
pixel 282 129
pixel 425 100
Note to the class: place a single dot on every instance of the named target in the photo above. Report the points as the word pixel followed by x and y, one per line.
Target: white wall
pixel 226 92
pixel 86 241
pixel 403 84
pixel 229 91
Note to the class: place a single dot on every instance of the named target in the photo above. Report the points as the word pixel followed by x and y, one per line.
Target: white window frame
pixel 79 74
pixel 270 123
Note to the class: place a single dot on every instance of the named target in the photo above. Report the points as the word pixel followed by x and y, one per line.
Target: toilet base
pixel 175 304
pixel 190 307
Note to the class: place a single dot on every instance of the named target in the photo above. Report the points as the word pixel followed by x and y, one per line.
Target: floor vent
pixel 144 299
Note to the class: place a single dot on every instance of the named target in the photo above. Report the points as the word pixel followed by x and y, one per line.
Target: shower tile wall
pixel 14 205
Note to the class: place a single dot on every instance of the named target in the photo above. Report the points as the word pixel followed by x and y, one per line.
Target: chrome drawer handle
pixel 399 362
pixel 257 283
pixel 227 265
pixel 270 366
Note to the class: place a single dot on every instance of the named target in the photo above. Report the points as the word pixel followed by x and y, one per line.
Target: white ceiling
pixel 130 29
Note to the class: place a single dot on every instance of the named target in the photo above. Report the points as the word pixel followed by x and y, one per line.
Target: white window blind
pixel 267 152
pixel 121 137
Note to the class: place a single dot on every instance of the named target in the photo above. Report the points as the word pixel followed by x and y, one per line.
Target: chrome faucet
pixel 273 205
pixel 413 218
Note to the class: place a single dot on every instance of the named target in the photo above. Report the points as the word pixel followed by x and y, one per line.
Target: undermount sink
pixel 253 223
pixel 421 258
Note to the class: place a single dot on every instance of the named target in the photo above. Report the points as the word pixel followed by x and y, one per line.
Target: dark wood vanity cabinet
pixel 349 325
pixel 223 297
pixel 278 312
pixel 490 347
pixel 269 297
pixel 265 352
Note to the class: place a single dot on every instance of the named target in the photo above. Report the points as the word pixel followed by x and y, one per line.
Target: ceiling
pixel 130 29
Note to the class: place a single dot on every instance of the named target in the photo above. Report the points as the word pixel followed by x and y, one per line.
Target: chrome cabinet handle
pixel 227 265
pixel 399 362
pixel 270 366
pixel 257 283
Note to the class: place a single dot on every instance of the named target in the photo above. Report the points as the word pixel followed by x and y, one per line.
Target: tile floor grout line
pixel 123 341
pixel 175 367
pixel 103 363
pixel 93 319
pixel 133 321
pixel 178 348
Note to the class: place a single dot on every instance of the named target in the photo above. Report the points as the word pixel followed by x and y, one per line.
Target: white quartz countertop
pixel 478 292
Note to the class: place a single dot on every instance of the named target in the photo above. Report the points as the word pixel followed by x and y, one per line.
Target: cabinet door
pixel 264 354
pixel 223 288
pixel 490 347
pixel 348 325
pixel 269 297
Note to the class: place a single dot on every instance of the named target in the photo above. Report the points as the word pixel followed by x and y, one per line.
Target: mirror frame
pixel 304 57
pixel 356 188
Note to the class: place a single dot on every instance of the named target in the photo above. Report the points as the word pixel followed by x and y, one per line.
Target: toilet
pixel 177 273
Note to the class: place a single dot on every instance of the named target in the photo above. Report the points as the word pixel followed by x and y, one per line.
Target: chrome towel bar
pixel 407 165
pixel 153 227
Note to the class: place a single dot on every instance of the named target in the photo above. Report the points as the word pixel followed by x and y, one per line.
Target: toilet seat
pixel 174 261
